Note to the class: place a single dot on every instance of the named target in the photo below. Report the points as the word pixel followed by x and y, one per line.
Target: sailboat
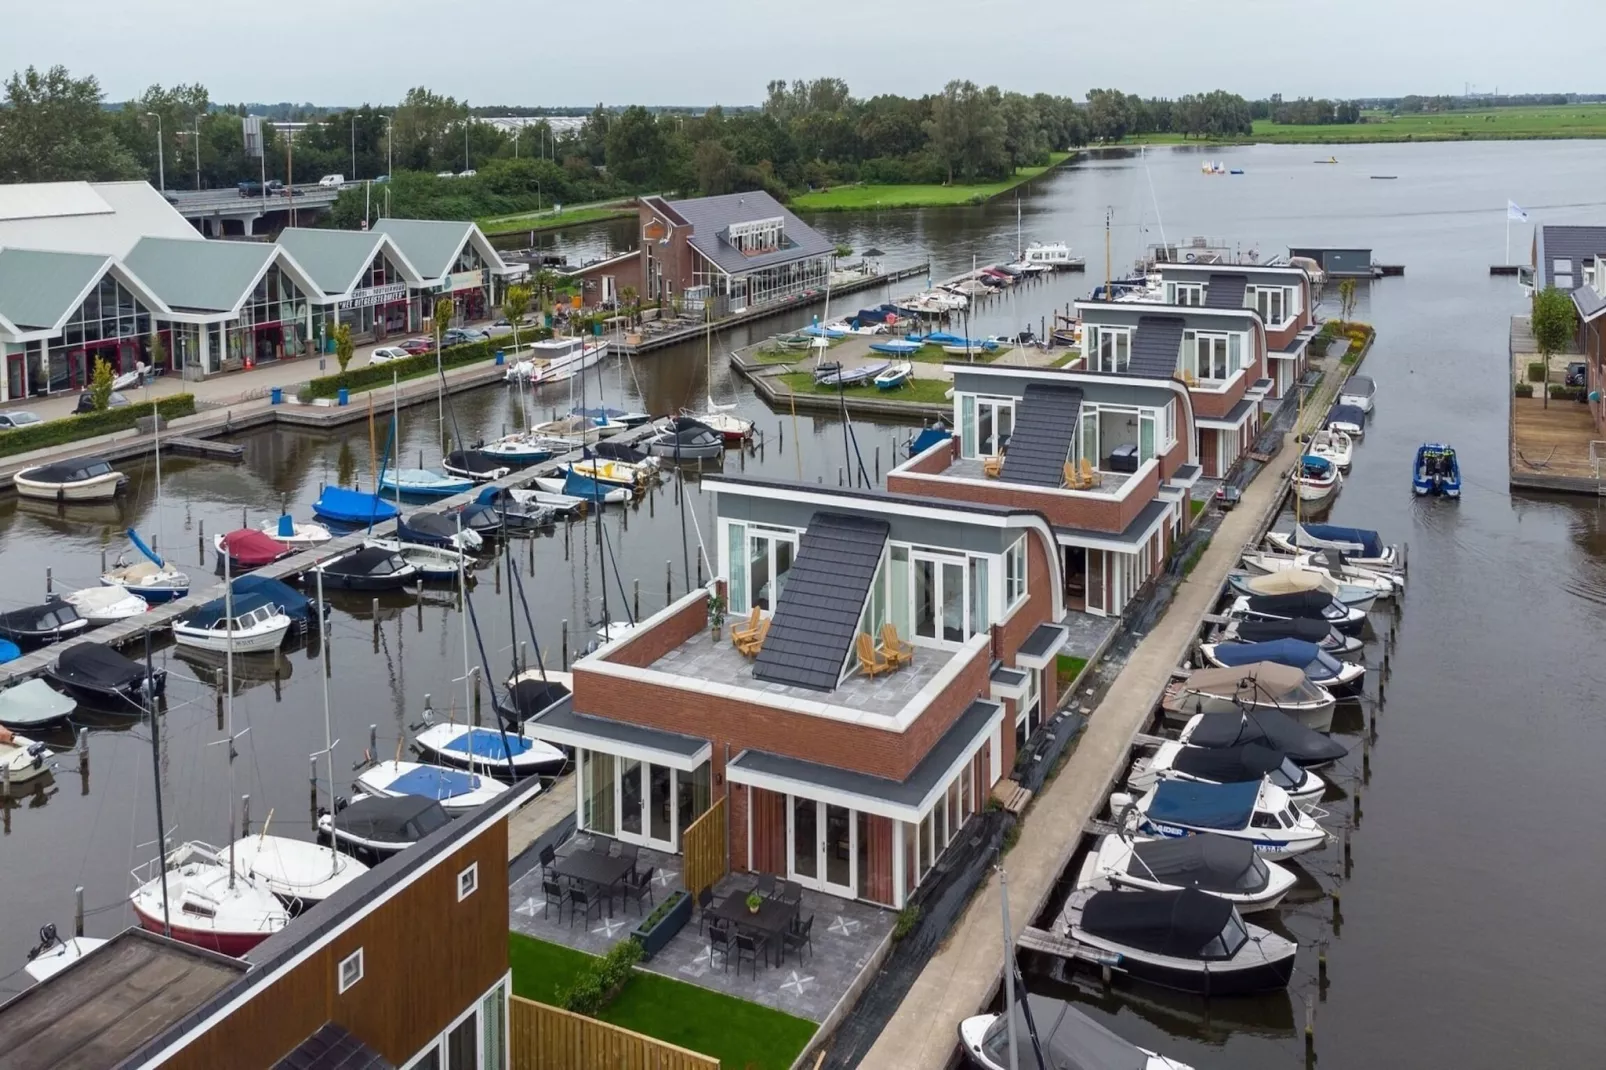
pixel 195 893
pixel 733 429
pixel 153 579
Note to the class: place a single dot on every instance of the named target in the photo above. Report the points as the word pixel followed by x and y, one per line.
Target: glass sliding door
pixel 660 793
pixel 629 797
pixel 597 792
pixel 953 601
pixel 805 840
pixel 940 592
pixel 925 596
pixel 838 845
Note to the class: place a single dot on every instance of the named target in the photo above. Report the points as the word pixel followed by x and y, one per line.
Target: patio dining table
pixel 771 920
pixel 595 868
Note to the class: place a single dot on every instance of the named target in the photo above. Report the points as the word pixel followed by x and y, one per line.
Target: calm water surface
pixel 1469 934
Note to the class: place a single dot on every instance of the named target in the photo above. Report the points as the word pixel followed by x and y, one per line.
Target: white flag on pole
pixel 1515 211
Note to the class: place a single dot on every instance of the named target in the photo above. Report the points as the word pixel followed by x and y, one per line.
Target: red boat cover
pixel 252 548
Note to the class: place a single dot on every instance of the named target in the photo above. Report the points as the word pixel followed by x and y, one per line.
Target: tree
pixel 54 129
pixel 158 351
pixel 342 334
pixel 1346 299
pixel 631 301
pixel 516 302
pixel 100 384
pixel 1554 325
pixel 636 148
pixel 443 318
pixel 716 168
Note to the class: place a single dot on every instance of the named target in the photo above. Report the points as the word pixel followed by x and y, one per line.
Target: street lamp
pixel 161 166
pixel 354 146
pixel 390 167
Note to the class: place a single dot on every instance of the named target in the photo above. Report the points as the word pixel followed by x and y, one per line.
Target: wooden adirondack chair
pixel 897 652
pixel 871 663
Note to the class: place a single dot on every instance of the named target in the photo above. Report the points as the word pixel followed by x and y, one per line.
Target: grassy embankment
pixel 1491 124
pixel 923 391
pixel 539 221
pixel 860 197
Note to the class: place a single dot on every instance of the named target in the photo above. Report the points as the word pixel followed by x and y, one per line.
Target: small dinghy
pixel 562 505
pixel 853 376
pixel 1244 763
pixel 257 626
pixel 685 439
pixel 489 750
pixel 153 579
pixel 1069 1039
pixel 1256 811
pixel 55 954
pixel 294 533
pixel 435 564
pixel 106 605
pixel 615 473
pixel 35 626
pixel 1334 446
pixel 353 508
pixel 898 374
pixel 300 873
pixel 1308 629
pixel 477 466
pixel 379 826
pixel 1437 471
pixel 1305 747
pixel 23 758
pixel 1184 940
pixel 34 705
pixel 99 676
pixel 900 347
pixel 248 548
pixel 1265 685
pixel 1308 605
pixel 1216 865
pixel 1321 667
pixel 209 905
pixel 1357 391
pixel 365 568
pixel 1315 478
pixel 82 479
pixel 1360 546
pixel 433 529
pixel 570 485
pixel 423 482
pixel 1346 418
pixel 457 791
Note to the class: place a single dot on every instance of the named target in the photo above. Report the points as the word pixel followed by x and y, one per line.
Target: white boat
pixel 555 485
pixel 733 429
pixel 300 873
pixel 1069 1039
pixel 1266 685
pixel 82 479
pixel 104 605
pixel 423 481
pixel 457 791
pixel 1225 765
pixel 154 581
pixel 207 903
pixel 22 757
pixel 562 504
pixel 56 954
pixel 1381 584
pixel 1216 865
pixel 576 430
pixel 1360 546
pixel 1315 478
pixel 381 826
pixel 1055 255
pixel 897 374
pixel 614 473
pixel 996 342
pixel 488 750
pixel 1316 663
pixel 1358 390
pixel 554 360
pixel 1260 813
pixel 293 532
pixel 1295 580
pixel 1334 446
pixel 34 704
pixel 613 630
pixel 432 562
pixel 258 625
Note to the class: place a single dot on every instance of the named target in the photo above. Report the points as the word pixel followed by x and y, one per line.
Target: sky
pixel 699 52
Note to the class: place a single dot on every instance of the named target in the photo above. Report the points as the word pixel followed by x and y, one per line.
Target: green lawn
pixel 1490 124
pixel 927 391
pixel 1196 506
pixel 1067 667
pixel 858 197
pixel 738 1033
pixel 538 221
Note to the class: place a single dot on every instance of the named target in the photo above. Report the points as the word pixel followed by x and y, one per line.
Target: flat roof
pixel 564 718
pixel 106 1006
pixel 1235 416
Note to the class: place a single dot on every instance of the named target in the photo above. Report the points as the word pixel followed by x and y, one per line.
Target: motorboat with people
pixel 1262 686
pixel 1216 865
pixel 1437 471
pixel 1304 746
pixel 248 548
pixel 1346 418
pixel 1186 940
pixel 1311 605
pixel 245 624
pixel 1068 1039
pixel 79 479
pixel 1321 667
pixel 1257 811
pixel 35 626
pixel 686 439
pixel 1226 765
pixel 33 705
pixel 353 508
pixel 298 534
pixel 1360 546
pixel 363 568
pixel 1308 629
pixel 1334 446
pixel 1358 391
pixel 424 482
pixel 555 359
pixel 377 826
pixel 1054 254
pixel 201 901
pixel 898 374
pixel 433 564
pixel 153 579
pixel 300 873
pixel 477 466
pixel 21 758
pixel 496 752
pixel 433 529
pixel 99 676
pixel 1298 580
pixel 106 605
pixel 1315 478
pixel 457 790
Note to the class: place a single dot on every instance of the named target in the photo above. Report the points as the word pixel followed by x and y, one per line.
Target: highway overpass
pixel 216 212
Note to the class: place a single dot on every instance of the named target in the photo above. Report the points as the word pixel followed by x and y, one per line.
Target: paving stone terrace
pixel 846 936
pixel 721 663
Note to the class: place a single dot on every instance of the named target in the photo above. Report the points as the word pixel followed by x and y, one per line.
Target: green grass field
pixel 861 197
pixel 538 221
pixel 924 391
pixel 1491 124
pixel 739 1034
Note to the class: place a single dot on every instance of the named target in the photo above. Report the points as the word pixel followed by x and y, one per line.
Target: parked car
pixel 456 336
pixel 386 354
pixel 1228 495
pixel 334 181
pixel 86 402
pixel 1577 374
pixel 415 346
pixel 254 188
pixel 19 418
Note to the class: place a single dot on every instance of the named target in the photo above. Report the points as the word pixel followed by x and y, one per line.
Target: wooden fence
pixel 550 1038
pixel 706 843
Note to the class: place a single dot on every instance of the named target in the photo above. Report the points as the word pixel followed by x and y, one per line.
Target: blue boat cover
pixel 1348 414
pixel 929 438
pixel 296 606
pixel 1316 466
pixel 1368 540
pixel 578 486
pixel 1206 806
pixel 346 506
pixel 484 743
pixel 139 544
pixel 433 782
pixel 1295 653
pixel 209 613
pixel 9 651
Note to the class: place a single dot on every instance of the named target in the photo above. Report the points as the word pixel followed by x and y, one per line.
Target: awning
pixel 1039 649
pixel 1295 348
pixel 1137 533
pixel 562 725
pixel 1186 475
pixel 1232 421
pixel 1007 683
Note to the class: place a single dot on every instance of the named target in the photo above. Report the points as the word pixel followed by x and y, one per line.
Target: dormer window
pixel 757 235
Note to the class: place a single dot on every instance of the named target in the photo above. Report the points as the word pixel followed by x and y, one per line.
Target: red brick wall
pixel 664 636
pixel 1065 510
pixel 625 273
pixel 1214 405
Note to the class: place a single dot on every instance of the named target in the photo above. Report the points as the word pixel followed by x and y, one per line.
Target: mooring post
pixel 242 513
pixel 78 911
pixel 1321 962
pixel 374 607
pixel 217 692
pixel 200 547
pixel 566 542
pixel 476 695
pixel 669 582
pixel 699 569
pixel 1348 865
pixel 565 646
pixel 245 815
pixel 1338 907
pixel 313 781
pixel 373 745
pixel 1310 1026
pixel 524 657
pixel 49 582
pixel 103 560
pixel 878 464
pixel 839 475
pixel 638 599
pixel 1366 760
pixel 1357 807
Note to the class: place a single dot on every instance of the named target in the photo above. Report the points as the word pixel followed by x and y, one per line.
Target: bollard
pixel 637 613
pixel 245 815
pixel 1321 962
pixel 565 646
pixel 669 582
pixel 49 582
pixel 1310 1026
pixel 78 911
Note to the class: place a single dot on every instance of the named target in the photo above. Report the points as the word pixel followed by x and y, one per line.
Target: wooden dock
pixel 1047 943
pixel 206 449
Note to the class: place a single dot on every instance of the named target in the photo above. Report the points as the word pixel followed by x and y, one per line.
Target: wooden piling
pixel 565 646
pixel 1310 1026
pixel 313 782
pixel 78 911
pixel 637 613
pixel 50 582
pixel 1366 760
pixel 245 815
pixel 1357 807
pixel 1321 962
pixel 878 464
pixel 1347 855
pixel 669 582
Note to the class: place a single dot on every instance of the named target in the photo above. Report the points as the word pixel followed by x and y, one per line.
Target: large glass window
pixel 978 593
pixel 462 1046
pixel 693 795
pixel 736 574
pixel 967 425
pixel 597 772
pixel 493 1016
pixel 769 557
pixel 1113 349
pixel 898 590
pixel 1272 302
pixel 1015 572
pixel 630 789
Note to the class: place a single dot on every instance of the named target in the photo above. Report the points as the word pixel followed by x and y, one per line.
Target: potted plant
pixel 716 615
pixel 754 902
pixel 660 927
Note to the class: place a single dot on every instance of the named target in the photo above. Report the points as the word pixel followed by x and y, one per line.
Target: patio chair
pixel 741 633
pixel 1073 478
pixel 798 938
pixel 556 895
pixel 705 903
pixel 749 946
pixel 643 887
pixel 583 899
pixel 1090 478
pixel 750 647
pixel 871 663
pixel 897 652
pixel 719 941
pixel 765 885
pixel 992 467
pixel 790 893
pixel 548 856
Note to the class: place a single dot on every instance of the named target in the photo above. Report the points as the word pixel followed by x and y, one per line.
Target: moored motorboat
pixel 555 359
pixel 897 374
pixel 22 758
pixel 1437 470
pixel 1315 478
pixel 97 675
pixel 519 450
pixel 378 826
pixel 35 626
pixel 1069 1040
pixel 1216 865
pixel 365 568
pixel 423 482
pixel 1357 391
pixel 353 508
pixel 80 479
pixel 495 752
pixel 562 505
pixel 1303 745
pixel 1265 685
pixel 1334 446
pixel 295 533
pixel 244 623
pixel 1383 584
pixel 686 439
pixel 1318 665
pixel 433 529
pixel 732 428
pixel 1361 546
pixel 531 693
pixel 1256 811
pixel 478 466
pixel 433 563
pixel 1310 605
pixel 456 790
pixel 302 874
pixel 571 485
pixel 205 903
pixel 153 579
pixel 248 548
pixel 302 611
pixel 106 605
pixel 1240 764
pixel 1310 629
pixel 623 417
pixel 1346 418
pixel 1297 580
pixel 34 705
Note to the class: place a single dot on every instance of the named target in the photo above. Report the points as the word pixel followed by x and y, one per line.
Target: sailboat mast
pixel 328 740
pixel 395 434
pixel 156 764
pixel 228 700
pixel 462 601
pixel 156 450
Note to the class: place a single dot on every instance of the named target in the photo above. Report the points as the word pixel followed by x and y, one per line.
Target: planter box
pixel 654 940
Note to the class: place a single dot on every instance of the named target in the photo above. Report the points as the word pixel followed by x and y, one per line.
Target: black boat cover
pixel 1262 631
pixel 1228 765
pixel 69 471
pixel 368 561
pixel 429 525
pixel 1210 863
pixel 1179 924
pixel 403 819
pixel 693 435
pixel 475 461
pixel 34 619
pixel 479 516
pixel 1297 604
pixel 1070 1040
pixel 1270 727
pixel 97 665
pixel 530 697
pixel 615 451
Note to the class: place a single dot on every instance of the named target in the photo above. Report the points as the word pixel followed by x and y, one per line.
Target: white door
pixel 645 801
pixel 824 841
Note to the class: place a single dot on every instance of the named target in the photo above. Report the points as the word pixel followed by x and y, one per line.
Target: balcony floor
pixel 970 468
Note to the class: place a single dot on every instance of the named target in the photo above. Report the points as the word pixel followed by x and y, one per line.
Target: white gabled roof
pixel 100 218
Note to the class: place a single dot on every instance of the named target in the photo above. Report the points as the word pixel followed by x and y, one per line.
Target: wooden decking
pixel 1550 446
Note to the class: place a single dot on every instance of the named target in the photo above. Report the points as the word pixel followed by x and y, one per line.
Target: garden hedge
pixel 372 376
pixel 90 424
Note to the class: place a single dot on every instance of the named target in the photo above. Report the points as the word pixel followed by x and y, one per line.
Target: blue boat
pixel 423 482
pixel 1437 470
pixel 1356 542
pixel 898 346
pixel 1318 666
pixel 9 651
pixel 929 437
pixel 944 338
pixel 340 505
pixel 297 606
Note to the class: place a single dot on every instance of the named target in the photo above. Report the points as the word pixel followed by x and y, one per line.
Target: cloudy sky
pixel 532 52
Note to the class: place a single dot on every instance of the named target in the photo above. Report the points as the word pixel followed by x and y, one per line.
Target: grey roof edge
pixel 1235 416
pixel 1043 640
pixel 563 716
pixel 1131 535
pixel 859 494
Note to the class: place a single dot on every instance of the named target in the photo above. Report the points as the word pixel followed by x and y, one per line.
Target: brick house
pixel 1573 259
pixel 847 783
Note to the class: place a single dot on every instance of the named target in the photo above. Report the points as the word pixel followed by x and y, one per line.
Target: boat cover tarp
pixel 615 451
pixel 365 561
pixel 1291 652
pixel 252 548
pixel 1358 386
pixel 32 703
pixel 1206 806
pixel 1213 863
pixel 1301 628
pixel 1368 542
pixel 475 461
pixel 1271 727
pixel 530 697
pixel 295 605
pixel 868 317
pixel 1285 581
pixel 1070 1040
pixel 69 471
pixel 1228 765
pixel 1260 679
pixel 139 544
pixel 1345 414
pixel 486 743
pixel 209 613
pixel 432 526
pixel 1179 924
pixel 433 782
pixel 343 505
pixel 385 820
pixel 9 651
pixel 696 437
pixel 599 413
pixel 1294 604
pixel 97 665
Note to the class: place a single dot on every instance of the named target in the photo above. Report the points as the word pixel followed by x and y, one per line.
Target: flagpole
pixel 1508 236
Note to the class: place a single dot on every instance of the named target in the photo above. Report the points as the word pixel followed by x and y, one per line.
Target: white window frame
pixel 342 983
pixel 1168 426
pixel 470 877
pixel 1185 294
pixel 1191 343
pixel 1259 298
pixel 1116 356
pixel 1015 586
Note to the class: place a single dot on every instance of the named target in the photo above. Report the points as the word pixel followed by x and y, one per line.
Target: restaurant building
pixel 363 280
pixel 453 260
